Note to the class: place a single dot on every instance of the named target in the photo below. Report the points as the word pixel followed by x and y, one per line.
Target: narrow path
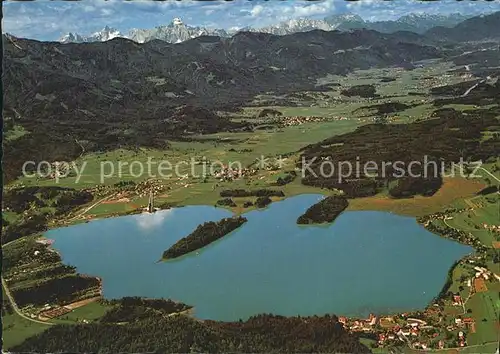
pixel 489 173
pixel 469 296
pixel 16 309
pixel 92 206
pixel 81 146
pixel 456 348
pixel 485 170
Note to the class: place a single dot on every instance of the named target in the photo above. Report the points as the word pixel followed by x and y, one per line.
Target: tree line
pixel 255 193
pixel 36 205
pixel 182 334
pixel 135 308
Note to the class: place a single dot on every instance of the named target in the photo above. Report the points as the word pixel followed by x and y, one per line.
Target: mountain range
pixel 103 95
pixel 177 31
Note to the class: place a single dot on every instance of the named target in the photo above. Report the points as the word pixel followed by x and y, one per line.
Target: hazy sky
pixel 48 20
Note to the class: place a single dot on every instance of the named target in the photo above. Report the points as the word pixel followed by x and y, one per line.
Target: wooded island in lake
pixel 203 235
pixel 324 211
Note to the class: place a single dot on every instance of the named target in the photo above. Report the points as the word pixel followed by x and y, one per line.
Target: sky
pixel 49 20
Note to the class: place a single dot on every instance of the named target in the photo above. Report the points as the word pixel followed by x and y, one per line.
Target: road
pixel 457 348
pixel 473 87
pixel 91 206
pixel 482 81
pixel 482 169
pixel 489 173
pixel 16 309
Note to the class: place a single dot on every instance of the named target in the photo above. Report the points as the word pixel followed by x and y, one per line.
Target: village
pixel 299 120
pixel 445 323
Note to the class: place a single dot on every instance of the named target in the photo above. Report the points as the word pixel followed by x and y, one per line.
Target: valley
pixel 240 123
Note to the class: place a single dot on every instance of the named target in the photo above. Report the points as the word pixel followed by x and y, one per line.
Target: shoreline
pixel 163 260
pixel 355 324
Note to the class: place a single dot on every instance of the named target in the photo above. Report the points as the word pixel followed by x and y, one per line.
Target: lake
pixel 366 261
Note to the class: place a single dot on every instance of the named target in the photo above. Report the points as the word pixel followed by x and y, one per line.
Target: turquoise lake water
pixel 364 262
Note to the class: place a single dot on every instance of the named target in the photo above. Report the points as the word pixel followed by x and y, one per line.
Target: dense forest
pixel 226 202
pixel 384 108
pixel 129 309
pixel 365 91
pixel 262 202
pixel 50 281
pixel 182 334
pixel 55 291
pixel 324 211
pixel 203 235
pixel 21 199
pixel 256 193
pixel 36 205
pixel 407 159
pixel 287 178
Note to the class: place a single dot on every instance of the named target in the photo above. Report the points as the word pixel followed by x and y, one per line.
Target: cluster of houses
pixel 482 272
pixel 359 325
pixel 146 188
pixel 461 339
pixel 467 322
pixel 414 332
pixel 299 120
pixel 493 228
pixel 457 299
pixel 58 169
pixel 406 332
pixel 49 312
pixel 229 174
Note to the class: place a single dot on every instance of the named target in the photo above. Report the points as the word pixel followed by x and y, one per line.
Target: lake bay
pixel 366 261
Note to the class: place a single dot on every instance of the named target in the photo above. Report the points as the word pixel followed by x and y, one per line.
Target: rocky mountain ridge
pixel 177 31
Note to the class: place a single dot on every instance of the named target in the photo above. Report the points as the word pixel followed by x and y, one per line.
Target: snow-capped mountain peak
pixel 106 34
pixel 177 31
pixel 71 38
pixel 177 22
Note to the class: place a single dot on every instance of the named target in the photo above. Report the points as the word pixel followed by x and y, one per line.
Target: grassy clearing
pixel 472 221
pixel 16 329
pixel 90 312
pixel 15 133
pixel 486 348
pixel 485 308
pixel 460 275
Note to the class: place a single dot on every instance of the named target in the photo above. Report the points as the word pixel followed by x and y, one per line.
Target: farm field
pixel 485 308
pixel 454 190
pixel 16 329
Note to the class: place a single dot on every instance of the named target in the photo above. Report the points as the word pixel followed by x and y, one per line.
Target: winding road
pixel 16 308
pixel 81 212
